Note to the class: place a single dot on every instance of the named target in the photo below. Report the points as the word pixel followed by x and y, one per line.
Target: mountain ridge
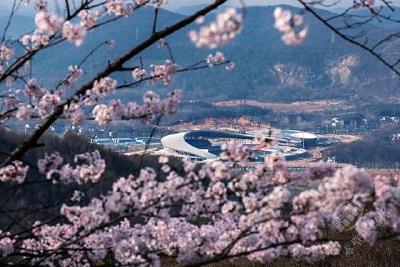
pixel 265 66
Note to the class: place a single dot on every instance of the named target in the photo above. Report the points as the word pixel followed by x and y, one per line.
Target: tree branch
pixel 112 67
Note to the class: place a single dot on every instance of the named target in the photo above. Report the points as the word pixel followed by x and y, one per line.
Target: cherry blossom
pixel 138 74
pixel 89 168
pixel 235 153
pixel 75 33
pixel 251 222
pixel 48 23
pixel 216 59
pixel 35 41
pixel 74 113
pixel 6 52
pixel 77 196
pixel 152 105
pixel 230 66
pixel 119 7
pixel 11 101
pixel 104 114
pixel 32 89
pixel 103 87
pixel 88 18
pixel 6 244
pixel 47 104
pixel 290 25
pixel 74 75
pixel 227 25
pixel 40 4
pixel 164 72
pixel 15 172
pixel 24 112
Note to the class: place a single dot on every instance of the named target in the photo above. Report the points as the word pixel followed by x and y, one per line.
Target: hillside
pixel 265 66
pixel 19 25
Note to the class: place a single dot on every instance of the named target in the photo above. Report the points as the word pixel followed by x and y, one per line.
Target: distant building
pixel 206 144
pixel 301 139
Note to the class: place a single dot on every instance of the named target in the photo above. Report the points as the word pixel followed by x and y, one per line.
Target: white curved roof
pixel 177 142
pixel 303 135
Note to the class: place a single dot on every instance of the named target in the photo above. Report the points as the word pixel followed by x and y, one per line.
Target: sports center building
pixel 206 144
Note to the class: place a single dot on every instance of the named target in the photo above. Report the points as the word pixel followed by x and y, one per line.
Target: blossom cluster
pixel 42 102
pixel 119 7
pixel 235 153
pixel 89 168
pixel 74 75
pixel 6 52
pixel 49 24
pixel 164 72
pixel 6 244
pixel 215 59
pixel 245 213
pixel 14 172
pixel 253 221
pixel 138 74
pixel 363 3
pixel 290 25
pixel 227 25
pixel 152 105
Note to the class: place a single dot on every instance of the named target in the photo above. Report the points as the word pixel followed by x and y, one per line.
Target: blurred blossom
pixel 227 25
pixel 290 25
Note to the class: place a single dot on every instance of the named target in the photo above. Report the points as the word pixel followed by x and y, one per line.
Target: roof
pixel 182 142
pixel 298 134
pixel 177 142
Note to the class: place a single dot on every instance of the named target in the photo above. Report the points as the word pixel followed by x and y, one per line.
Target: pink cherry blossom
pixel 48 23
pixel 88 18
pixel 35 41
pixel 119 7
pixel 227 25
pixel 6 244
pixel 15 172
pixel 290 25
pixel 164 72
pixel 47 104
pixel 75 33
pixel 89 168
pixel 138 74
pixel 32 89
pixel 24 112
pixel 6 52
pixel 216 59
pixel 74 75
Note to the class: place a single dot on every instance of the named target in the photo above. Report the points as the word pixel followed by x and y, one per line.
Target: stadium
pixel 204 145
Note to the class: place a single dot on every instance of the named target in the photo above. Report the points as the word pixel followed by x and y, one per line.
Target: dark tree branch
pixel 155 20
pixel 13 10
pixel 347 38
pixel 112 67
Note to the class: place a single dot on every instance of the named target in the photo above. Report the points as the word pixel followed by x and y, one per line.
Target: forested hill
pixel 266 68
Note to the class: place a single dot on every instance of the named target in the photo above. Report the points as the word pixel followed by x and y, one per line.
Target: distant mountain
pixel 324 66
pixel 362 14
pixel 187 10
pixel 19 25
pixel 4 12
